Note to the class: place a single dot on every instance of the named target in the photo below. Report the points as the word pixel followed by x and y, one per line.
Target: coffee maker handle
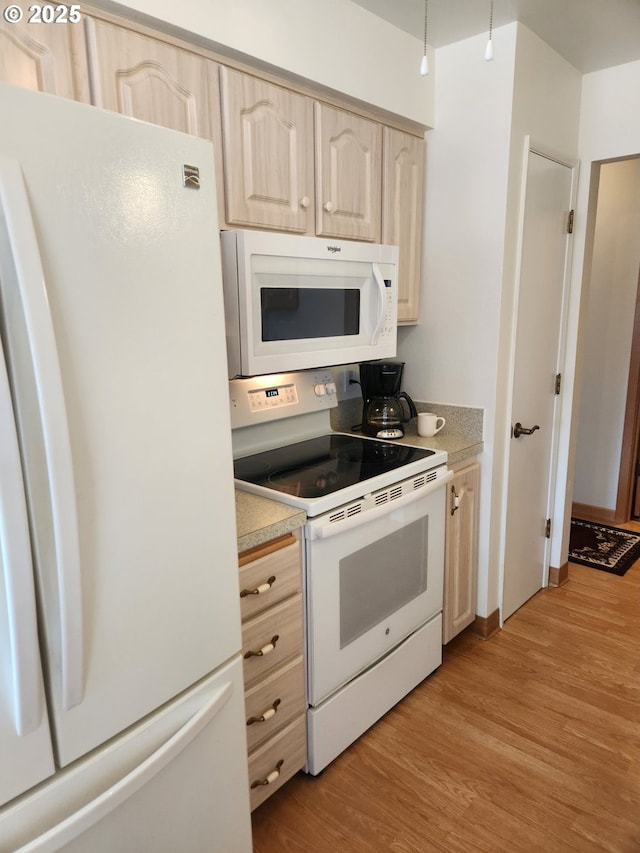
pixel 413 412
pixel 381 302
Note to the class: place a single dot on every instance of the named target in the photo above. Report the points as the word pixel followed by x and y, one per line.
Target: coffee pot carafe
pixel 383 412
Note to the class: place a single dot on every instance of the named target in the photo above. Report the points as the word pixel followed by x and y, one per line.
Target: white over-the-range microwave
pixel 294 302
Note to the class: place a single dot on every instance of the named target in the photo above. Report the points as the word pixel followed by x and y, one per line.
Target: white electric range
pixel 373 548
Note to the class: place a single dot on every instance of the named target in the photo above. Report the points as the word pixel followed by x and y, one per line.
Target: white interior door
pixel 540 301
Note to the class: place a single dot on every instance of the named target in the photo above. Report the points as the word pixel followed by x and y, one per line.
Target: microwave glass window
pixel 296 313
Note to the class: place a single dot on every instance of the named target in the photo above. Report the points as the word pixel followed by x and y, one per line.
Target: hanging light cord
pixel 488 53
pixel 426 4
pixel 424 66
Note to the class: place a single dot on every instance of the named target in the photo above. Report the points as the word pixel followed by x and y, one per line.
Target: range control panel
pixel 259 399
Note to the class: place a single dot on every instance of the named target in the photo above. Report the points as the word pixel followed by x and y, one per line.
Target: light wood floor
pixel 529 741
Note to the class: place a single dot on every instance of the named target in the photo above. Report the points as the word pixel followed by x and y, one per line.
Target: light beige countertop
pixel 461 437
pixel 258 519
pixel 458 447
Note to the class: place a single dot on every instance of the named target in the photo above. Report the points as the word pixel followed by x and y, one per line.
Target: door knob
pixel 519 430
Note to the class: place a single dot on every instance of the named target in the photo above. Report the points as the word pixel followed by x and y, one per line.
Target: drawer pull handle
pixel 265 649
pixel 271 776
pixel 266 715
pixel 264 587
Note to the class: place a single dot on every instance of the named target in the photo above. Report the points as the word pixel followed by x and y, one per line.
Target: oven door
pixel 373 577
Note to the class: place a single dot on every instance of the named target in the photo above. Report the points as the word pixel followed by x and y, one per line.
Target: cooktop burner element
pixel 319 466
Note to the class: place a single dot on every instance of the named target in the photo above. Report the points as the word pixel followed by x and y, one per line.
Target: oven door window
pixel 380 578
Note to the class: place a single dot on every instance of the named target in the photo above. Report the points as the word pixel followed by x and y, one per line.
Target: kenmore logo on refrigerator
pixel 334 249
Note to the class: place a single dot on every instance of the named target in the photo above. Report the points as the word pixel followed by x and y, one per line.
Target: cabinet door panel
pixel 147 79
pixel 46 58
pixel 402 200
pixel 270 579
pixel 461 552
pixel 274 702
pixel 267 148
pixel 271 639
pixel 348 175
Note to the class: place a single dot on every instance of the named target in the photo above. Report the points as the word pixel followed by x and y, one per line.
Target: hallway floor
pixel 529 741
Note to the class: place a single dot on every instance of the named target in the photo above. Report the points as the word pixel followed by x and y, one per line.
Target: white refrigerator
pixel 121 695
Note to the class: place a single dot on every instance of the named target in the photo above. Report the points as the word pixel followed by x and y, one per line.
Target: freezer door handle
pixel 34 301
pixel 69 829
pixel 15 547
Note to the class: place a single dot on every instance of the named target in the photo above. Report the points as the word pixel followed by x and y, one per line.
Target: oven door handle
pixel 333 528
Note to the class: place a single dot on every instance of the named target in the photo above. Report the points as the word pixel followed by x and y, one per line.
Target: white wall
pixel 334 43
pixel 609 129
pixel 546 117
pixel 607 334
pixel 460 353
pixel 452 355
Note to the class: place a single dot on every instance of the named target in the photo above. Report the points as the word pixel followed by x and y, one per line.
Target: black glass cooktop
pixel 320 466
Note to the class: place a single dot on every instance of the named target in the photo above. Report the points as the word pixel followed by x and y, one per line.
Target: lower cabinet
pixel 273 659
pixel 461 550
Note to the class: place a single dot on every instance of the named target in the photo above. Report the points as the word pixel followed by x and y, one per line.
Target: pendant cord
pixel 488 51
pixel 424 65
pixel 426 4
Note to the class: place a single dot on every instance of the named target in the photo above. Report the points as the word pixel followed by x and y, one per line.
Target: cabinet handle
pixel 264 650
pixel 455 499
pixel 264 587
pixel 271 777
pixel 329 207
pixel 266 715
pixel 305 201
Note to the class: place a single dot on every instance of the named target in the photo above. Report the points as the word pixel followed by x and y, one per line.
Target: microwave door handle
pixel 381 291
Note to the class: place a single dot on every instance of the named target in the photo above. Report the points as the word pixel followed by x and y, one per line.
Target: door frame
pixel 630 433
pixel 556 488
pixel 630 447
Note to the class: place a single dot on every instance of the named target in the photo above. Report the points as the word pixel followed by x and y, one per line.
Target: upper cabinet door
pixel 348 174
pixel 267 148
pixel 148 79
pixel 45 57
pixel 402 201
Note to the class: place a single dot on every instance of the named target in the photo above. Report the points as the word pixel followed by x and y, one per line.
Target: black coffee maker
pixel 383 412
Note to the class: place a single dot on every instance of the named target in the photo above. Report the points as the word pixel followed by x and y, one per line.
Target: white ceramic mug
pixel 429 424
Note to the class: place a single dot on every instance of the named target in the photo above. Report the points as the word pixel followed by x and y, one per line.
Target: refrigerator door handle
pixel 37 316
pixel 86 817
pixel 15 547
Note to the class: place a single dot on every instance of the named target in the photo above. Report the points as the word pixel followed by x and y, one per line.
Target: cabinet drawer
pixel 277 761
pixel 271 639
pixel 279 698
pixel 267 580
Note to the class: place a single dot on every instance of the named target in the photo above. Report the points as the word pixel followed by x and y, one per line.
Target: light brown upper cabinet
pixel 45 57
pixel 402 200
pixel 348 174
pixel 267 141
pixel 149 79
